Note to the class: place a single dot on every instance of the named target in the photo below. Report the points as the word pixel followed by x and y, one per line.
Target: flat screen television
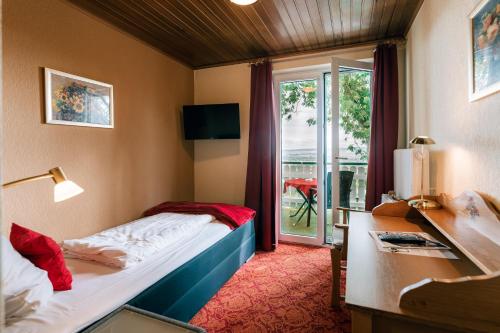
pixel 211 121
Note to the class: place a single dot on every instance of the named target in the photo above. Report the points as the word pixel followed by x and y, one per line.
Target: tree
pixel 355 101
pixel 296 93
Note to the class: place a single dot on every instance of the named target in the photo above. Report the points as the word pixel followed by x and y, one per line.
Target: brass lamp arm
pixel 63 189
pixel 27 180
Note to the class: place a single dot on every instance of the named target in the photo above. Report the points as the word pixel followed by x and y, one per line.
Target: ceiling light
pixel 243 2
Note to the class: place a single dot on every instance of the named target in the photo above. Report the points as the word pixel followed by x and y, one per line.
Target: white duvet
pixel 131 243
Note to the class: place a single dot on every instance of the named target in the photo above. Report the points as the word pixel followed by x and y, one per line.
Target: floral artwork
pixel 485 26
pixel 73 100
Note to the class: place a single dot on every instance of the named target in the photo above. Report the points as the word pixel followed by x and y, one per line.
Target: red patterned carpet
pixel 287 290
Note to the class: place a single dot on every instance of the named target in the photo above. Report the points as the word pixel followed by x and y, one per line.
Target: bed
pixel 175 284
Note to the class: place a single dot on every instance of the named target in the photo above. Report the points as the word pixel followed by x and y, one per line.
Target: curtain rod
pixel 329 51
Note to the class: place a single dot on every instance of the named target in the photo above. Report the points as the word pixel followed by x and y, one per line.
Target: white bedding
pixel 131 243
pixel 98 289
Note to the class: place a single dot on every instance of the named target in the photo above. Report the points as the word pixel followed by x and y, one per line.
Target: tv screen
pixel 212 121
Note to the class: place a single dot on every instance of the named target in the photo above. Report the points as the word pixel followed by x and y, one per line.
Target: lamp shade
pixel 422 140
pixel 66 189
pixel 63 188
pixel 243 2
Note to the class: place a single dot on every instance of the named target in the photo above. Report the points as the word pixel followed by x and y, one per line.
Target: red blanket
pixel 231 215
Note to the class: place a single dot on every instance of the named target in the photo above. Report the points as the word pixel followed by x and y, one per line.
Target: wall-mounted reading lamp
pixel 63 189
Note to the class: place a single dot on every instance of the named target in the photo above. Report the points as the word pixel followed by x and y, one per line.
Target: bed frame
pixel 183 292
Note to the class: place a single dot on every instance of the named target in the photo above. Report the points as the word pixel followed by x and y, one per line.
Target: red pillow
pixel 44 253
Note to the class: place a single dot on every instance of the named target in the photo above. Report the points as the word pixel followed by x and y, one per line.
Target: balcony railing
pixel 309 170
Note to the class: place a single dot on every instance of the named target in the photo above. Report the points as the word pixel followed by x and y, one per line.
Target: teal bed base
pixel 183 292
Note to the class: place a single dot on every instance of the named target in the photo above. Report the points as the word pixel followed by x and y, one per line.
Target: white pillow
pixel 24 286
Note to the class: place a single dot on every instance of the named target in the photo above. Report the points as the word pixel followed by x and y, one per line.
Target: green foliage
pixel 296 93
pixel 355 101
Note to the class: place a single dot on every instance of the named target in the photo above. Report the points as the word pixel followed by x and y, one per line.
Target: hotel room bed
pixel 173 283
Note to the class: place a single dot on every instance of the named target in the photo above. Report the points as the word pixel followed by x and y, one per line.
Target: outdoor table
pixel 306 188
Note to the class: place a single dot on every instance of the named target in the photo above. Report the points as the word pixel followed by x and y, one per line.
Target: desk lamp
pixel 63 188
pixel 423 203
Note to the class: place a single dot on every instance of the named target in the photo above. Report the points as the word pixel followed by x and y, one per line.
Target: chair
pixel 338 253
pixel 345 183
pixel 339 247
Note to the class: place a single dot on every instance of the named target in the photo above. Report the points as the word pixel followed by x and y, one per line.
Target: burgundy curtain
pixel 384 125
pixel 260 192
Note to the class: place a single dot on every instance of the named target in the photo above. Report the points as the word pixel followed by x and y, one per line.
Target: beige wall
pixel 467 153
pixel 139 163
pixel 220 165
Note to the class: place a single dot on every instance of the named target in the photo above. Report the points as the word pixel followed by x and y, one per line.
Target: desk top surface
pixel 375 278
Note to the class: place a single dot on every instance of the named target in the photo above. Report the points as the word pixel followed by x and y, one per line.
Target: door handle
pixel 341 158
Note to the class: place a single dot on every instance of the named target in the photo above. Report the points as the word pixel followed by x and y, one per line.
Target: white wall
pixel 220 165
pixel 467 153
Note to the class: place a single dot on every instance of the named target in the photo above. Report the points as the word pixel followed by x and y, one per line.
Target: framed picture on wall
pixel 484 54
pixel 77 101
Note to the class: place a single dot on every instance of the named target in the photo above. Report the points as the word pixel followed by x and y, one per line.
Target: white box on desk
pixel 408 171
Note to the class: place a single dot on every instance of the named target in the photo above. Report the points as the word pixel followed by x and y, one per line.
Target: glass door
pixel 348 107
pixel 324 134
pixel 299 96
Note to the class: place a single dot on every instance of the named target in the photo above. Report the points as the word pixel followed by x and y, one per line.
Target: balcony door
pixel 348 104
pixel 324 133
pixel 300 99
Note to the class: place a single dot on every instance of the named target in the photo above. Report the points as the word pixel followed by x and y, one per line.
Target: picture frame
pixel 77 101
pixel 484 49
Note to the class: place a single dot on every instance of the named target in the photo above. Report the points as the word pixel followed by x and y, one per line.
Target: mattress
pixel 98 289
pixel 183 292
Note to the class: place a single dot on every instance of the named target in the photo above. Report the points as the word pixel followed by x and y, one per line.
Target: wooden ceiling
pixel 204 33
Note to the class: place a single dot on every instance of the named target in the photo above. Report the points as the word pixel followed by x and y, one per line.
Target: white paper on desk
pixel 391 248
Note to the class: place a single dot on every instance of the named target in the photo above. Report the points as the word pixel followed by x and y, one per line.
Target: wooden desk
pixel 402 293
pixel 375 279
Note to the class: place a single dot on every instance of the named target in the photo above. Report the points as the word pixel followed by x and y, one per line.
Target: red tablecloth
pixel 301 184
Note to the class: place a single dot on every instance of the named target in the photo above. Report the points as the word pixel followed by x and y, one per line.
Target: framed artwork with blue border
pixel 78 101
pixel 484 54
